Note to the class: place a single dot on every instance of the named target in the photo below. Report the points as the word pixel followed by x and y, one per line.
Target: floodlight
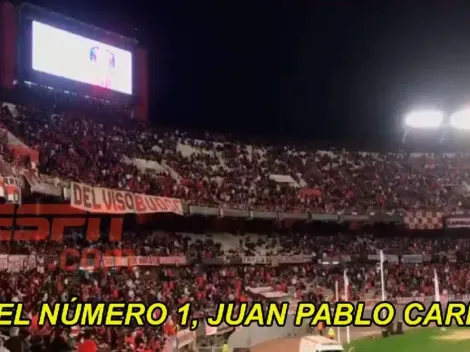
pixel 424 119
pixel 460 119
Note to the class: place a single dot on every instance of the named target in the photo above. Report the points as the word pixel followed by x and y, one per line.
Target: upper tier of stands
pixel 216 170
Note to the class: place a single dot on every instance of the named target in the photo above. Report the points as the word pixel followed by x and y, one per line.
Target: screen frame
pixel 25 71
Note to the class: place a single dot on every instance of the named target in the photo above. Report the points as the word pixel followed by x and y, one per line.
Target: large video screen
pixel 64 54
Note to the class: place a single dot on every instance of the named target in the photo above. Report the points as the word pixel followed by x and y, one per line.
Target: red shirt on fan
pixel 88 346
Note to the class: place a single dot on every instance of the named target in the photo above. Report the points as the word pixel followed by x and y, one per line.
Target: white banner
pixel 38 184
pixel 110 261
pixel 219 330
pixel 276 259
pixel 259 259
pixel 293 259
pixel 412 258
pixel 10 189
pixel 18 263
pixel 391 258
pixel 458 222
pixel 113 201
pixel 210 330
pixel 185 337
pixel 3 262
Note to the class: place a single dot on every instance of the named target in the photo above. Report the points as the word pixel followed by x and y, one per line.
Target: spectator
pixel 2 347
pixel 16 343
pixel 58 342
pixel 88 344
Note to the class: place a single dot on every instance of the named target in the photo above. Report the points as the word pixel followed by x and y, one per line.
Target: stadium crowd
pixel 205 285
pixel 215 170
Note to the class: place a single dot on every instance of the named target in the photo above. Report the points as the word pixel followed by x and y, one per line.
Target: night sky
pixel 304 70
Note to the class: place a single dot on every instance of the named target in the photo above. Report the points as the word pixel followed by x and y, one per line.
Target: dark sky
pixel 335 70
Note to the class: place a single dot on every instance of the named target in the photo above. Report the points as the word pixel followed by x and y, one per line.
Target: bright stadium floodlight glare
pixel 461 120
pixel 424 119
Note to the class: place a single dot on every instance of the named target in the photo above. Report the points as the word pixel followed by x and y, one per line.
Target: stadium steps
pixel 171 171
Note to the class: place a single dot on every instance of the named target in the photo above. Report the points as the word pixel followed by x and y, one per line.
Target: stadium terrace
pixel 198 223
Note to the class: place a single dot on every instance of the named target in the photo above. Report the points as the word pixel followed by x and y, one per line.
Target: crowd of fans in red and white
pixel 215 170
pixel 207 285
pixel 218 171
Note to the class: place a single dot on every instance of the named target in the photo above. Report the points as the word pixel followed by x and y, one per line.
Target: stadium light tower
pixel 460 120
pixel 423 120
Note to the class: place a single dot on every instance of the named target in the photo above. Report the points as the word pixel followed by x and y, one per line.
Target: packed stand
pixel 319 246
pixel 214 170
pixel 204 286
pixel 207 285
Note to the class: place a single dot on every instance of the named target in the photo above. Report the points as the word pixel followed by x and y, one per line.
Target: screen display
pixel 64 54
